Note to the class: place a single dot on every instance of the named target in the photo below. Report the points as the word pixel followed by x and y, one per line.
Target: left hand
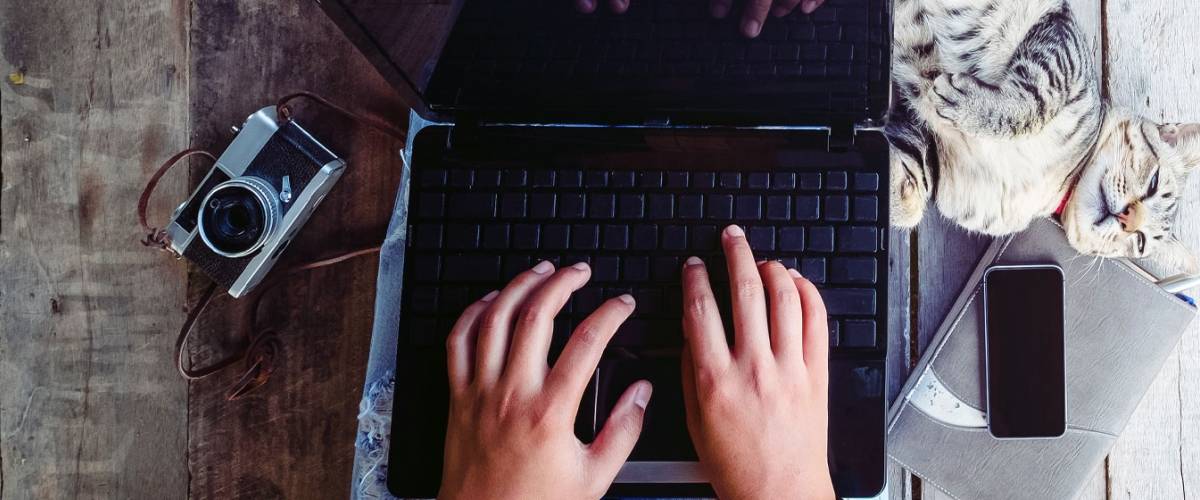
pixel 753 16
pixel 511 429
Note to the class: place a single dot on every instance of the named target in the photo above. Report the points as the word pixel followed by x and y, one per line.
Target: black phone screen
pixel 1026 386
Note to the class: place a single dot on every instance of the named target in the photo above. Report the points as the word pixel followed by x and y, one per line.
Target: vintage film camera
pixel 250 206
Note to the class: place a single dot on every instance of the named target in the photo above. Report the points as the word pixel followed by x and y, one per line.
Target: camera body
pixel 252 203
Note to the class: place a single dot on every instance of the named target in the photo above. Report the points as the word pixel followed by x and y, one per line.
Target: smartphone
pixel 1024 318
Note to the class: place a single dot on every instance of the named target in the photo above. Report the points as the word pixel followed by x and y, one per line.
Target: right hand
pixel 757 413
pixel 752 17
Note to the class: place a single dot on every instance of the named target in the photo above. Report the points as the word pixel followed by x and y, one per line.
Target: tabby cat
pixel 999 120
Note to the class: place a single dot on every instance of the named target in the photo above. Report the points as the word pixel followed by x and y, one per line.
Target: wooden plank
pixel 1150 72
pixel 91 406
pixel 899 356
pixel 294 437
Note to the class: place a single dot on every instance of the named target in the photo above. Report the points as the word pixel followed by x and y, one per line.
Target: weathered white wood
pixel 899 333
pixel 1152 65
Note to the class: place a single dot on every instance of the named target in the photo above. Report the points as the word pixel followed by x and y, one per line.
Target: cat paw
pixel 949 96
pixel 908 199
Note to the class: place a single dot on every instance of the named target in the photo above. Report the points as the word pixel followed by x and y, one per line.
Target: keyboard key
pixel 462 236
pixel 616 237
pixel 852 270
pixel 820 239
pixel 602 206
pixel 731 180
pixel 621 179
pixel 791 239
pixel 526 236
pixel 426 267
pixel 471 268
pixel 677 179
pixel 749 207
pixel 704 180
pixel 808 208
pixel 645 237
pixel 428 236
pixel 495 236
pixel 849 301
pixel 650 179
pixel 837 208
pixel 661 206
pixel 587 299
pixel 785 181
pixel 674 238
pixel 461 178
pixel 487 178
pixel 704 238
pixel 834 337
pixel 866 181
pixel 514 265
pixel 512 205
pixel 691 206
pixel 858 333
pixel 606 268
pixel 719 206
pixel 570 178
pixel 632 206
pixel 779 208
pixel 542 178
pixel 472 205
pixel 836 181
pixel 762 239
pixel 555 237
pixel 571 205
pixel 866 208
pixel 813 268
pixel 585 237
pixel 665 269
pixel 858 239
pixel 596 178
pixel 635 268
pixel 514 177
pixel 433 178
pixel 541 205
pixel 810 181
pixel 431 205
pixel 423 300
pixel 757 180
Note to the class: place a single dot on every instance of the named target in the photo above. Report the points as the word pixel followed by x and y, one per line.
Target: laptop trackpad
pixel 664 433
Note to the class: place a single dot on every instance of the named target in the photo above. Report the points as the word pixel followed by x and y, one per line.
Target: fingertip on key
pixel 693 261
pixel 734 231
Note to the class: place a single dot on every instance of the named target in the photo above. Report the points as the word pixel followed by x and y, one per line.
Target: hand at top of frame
pixel 511 429
pixel 757 411
pixel 753 14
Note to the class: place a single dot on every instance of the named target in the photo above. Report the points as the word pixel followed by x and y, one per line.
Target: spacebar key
pixel 849 301
pixel 471 268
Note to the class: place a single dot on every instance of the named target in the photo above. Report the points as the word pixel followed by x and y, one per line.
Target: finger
pixel 753 17
pixel 495 327
pixel 620 433
pixel 784 7
pixel 535 325
pixel 577 363
pixel 619 6
pixel 460 344
pixel 749 305
pixel 586 6
pixel 784 303
pixel 816 328
pixel 810 5
pixel 690 406
pixel 702 328
pixel 720 8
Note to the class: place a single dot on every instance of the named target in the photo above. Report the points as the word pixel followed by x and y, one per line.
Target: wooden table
pixel 100 92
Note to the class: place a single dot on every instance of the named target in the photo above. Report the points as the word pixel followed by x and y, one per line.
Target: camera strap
pixel 263 344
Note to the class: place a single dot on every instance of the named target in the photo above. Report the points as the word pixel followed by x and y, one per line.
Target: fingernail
pixel 626 298
pixel 794 273
pixel 543 267
pixel 734 231
pixel 582 266
pixel 693 261
pixel 752 28
pixel 587 5
pixel 720 10
pixel 809 6
pixel 490 295
pixel 641 398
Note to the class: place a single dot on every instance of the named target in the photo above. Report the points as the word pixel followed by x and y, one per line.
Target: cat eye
pixel 1153 183
pixel 1141 239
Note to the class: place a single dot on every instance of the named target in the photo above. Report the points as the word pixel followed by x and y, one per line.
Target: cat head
pixel 1125 199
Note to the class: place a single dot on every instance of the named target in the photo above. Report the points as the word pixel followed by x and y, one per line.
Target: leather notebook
pixel 1121 326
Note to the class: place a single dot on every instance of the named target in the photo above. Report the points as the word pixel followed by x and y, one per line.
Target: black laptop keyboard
pixel 473 229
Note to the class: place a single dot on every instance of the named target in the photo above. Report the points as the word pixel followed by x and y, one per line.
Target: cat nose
pixel 1129 219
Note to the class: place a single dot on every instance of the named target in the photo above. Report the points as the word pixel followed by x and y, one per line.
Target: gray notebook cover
pixel 1121 327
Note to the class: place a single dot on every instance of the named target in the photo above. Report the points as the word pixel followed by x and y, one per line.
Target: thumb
pixel 615 441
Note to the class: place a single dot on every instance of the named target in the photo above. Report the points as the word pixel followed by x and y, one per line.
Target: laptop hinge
pixel 841 138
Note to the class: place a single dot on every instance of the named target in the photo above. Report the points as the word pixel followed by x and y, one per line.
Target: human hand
pixel 758 415
pixel 753 16
pixel 511 429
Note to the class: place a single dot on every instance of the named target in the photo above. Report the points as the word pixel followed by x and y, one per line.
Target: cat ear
pixel 1185 138
pixel 1174 254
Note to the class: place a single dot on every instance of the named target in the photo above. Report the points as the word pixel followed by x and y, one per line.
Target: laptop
pixel 629 141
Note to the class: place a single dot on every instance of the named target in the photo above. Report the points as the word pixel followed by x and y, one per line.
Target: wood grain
pixel 1152 70
pixel 294 437
pixel 91 407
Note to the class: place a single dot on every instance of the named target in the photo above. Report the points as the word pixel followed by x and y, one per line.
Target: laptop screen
pixel 660 61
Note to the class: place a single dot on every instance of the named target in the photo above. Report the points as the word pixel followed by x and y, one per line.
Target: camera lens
pixel 236 217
